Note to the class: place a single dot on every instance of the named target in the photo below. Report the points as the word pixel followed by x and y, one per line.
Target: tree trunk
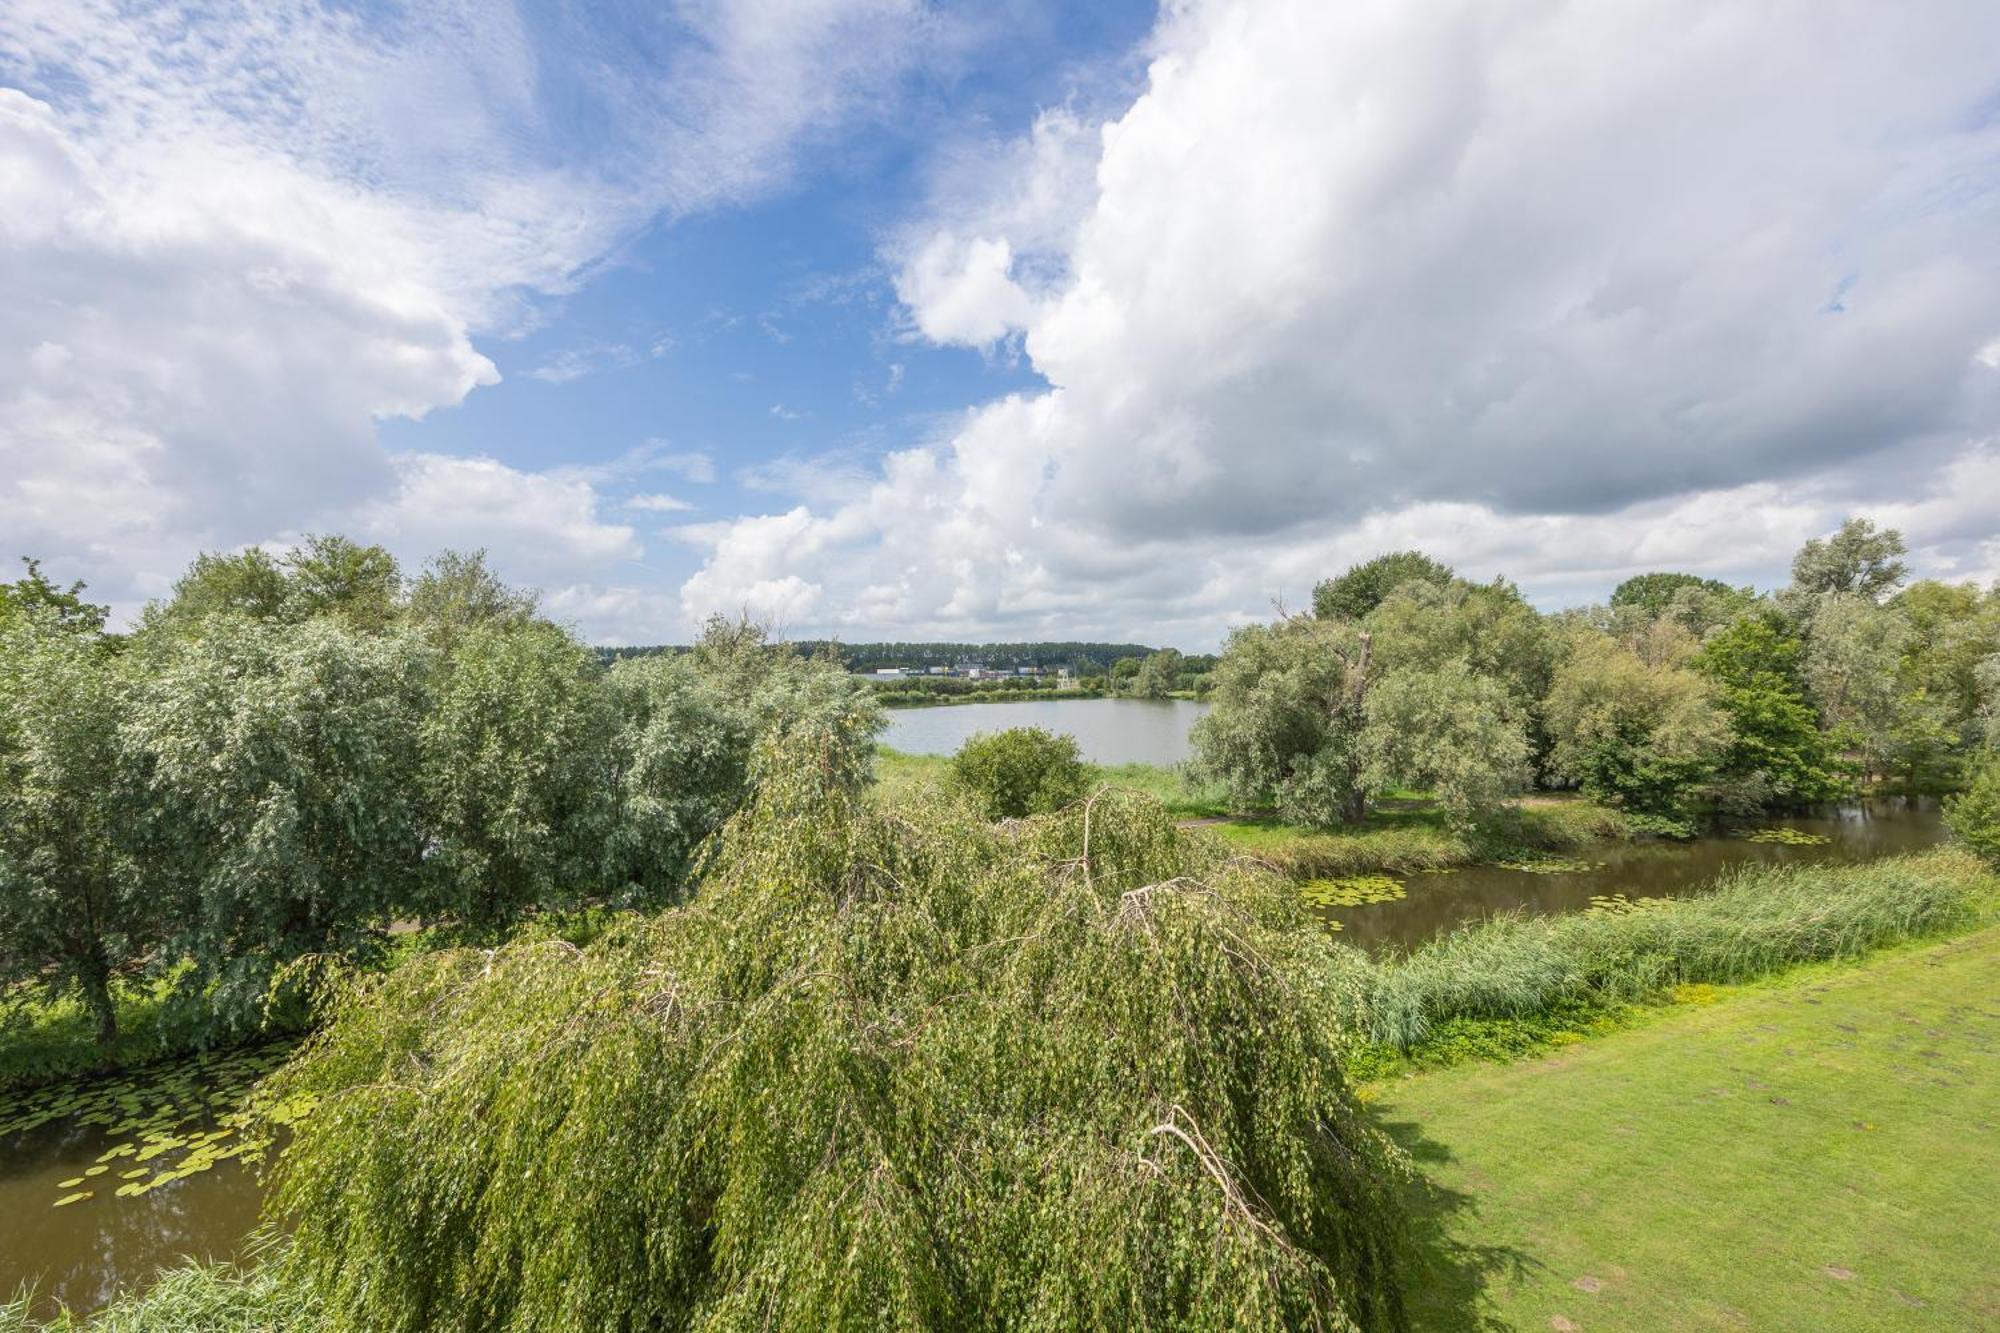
pixel 1354 808
pixel 96 978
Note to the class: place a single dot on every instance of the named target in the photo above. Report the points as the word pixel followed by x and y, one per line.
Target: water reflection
pixel 1435 903
pixel 81 1253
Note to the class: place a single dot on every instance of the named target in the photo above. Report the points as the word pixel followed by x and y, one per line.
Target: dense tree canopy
pixel 1655 593
pixel 285 769
pixel 1361 589
pixel 74 906
pixel 890 1069
pixel 291 755
pixel 1648 736
pixel 33 592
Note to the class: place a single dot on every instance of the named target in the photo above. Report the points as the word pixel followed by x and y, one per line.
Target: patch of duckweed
pixel 1617 904
pixel 1351 891
pixel 171 1121
pixel 1788 837
pixel 1549 865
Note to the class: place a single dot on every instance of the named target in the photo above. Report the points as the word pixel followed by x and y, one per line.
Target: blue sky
pixel 887 318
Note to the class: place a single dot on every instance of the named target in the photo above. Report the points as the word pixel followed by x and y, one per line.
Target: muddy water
pixel 104 1182
pixel 1435 903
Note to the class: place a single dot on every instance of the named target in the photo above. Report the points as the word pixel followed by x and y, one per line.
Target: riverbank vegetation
pixel 1468 987
pixel 1680 698
pixel 293 759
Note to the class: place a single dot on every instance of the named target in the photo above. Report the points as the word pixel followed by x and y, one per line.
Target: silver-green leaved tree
pixel 284 792
pixel 73 909
pixel 888 1070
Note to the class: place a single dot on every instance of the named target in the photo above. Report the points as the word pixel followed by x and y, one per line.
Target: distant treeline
pixel 1085 659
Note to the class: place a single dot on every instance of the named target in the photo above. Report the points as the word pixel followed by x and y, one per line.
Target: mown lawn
pixel 1817 1152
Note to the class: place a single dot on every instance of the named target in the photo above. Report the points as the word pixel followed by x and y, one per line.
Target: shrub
pixel 891 1068
pixel 1973 816
pixel 1020 771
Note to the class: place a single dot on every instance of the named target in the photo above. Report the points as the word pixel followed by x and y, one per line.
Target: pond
pixel 1107 731
pixel 1432 904
pixel 105 1181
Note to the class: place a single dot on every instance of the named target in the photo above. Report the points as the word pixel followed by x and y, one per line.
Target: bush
pixel 1973 816
pixel 892 1068
pixel 1018 772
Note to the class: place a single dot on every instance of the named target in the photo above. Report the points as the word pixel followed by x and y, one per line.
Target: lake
pixel 1107 731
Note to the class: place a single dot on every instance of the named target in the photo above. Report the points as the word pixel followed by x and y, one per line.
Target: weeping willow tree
pixel 884 1072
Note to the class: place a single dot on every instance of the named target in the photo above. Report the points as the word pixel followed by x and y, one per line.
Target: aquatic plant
pixel 1351 891
pixel 168 1122
pixel 1784 836
pixel 1543 864
pixel 889 1069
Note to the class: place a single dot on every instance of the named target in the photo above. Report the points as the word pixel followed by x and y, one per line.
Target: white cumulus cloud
pixel 1562 291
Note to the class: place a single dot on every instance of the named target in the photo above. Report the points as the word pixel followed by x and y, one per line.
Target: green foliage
pixel 1286 729
pixel 1159 675
pixel 1403 842
pixel 284 816
pixel 1655 594
pixel 1857 559
pixel 1017 772
pixel 249 584
pixel 33 594
pixel 457 593
pixel 1755 921
pixel 1647 738
pixel 1362 588
pixel 1450 731
pixel 195 1298
pixel 1489 628
pixel 516 774
pixel 74 910
pixel 890 1069
pixel 689 726
pixel 1973 816
pixel 333 576
pixel 1775 737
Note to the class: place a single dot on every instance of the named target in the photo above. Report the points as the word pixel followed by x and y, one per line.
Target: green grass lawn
pixel 1821 1151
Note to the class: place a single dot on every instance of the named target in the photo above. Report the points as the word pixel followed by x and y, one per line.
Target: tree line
pixel 1679 697
pixel 291 754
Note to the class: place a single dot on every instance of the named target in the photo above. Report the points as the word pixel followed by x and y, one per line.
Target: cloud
pixel 1583 289
pixel 573 363
pixel 1001 219
pixel 657 503
pixel 539 528
pixel 239 235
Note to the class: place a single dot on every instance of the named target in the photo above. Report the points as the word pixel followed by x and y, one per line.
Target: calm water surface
pixel 82 1253
pixel 1436 903
pixel 1108 731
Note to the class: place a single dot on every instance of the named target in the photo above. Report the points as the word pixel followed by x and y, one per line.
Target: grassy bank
pixel 198 1298
pixel 43 1040
pixel 1812 1153
pixel 1517 984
